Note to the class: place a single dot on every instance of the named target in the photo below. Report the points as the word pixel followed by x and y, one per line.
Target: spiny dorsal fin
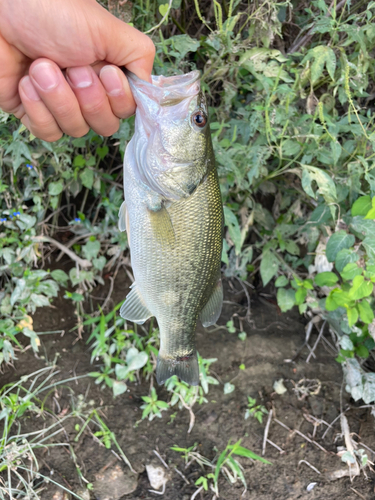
pixel 162 227
pixel 134 309
pixel 212 310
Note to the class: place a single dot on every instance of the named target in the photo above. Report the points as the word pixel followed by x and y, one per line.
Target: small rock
pixel 156 475
pixel 279 387
pixel 114 483
pixel 84 494
pixel 311 486
pixel 61 495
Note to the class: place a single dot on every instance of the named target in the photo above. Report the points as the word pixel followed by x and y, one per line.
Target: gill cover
pixel 171 144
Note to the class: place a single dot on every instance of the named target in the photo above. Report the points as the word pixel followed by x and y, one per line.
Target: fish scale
pixel 175 254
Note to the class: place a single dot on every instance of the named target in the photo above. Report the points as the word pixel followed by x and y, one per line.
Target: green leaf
pixel 228 388
pixel 102 151
pixel 350 271
pixel 291 147
pixel 365 312
pixel 300 295
pixel 344 257
pixel 244 452
pixel 55 188
pixel 286 298
pixel 370 214
pixel 352 313
pixel 100 262
pixel 91 249
pixel 281 281
pixel 360 288
pixel 326 279
pixel 60 276
pixel 361 206
pixel 326 186
pixel 292 247
pixel 269 266
pixel 233 228
pixel 338 241
pixel 79 161
pixel 369 244
pixel 118 388
pixel 87 178
pixel 163 9
pixel 362 351
pixel 322 55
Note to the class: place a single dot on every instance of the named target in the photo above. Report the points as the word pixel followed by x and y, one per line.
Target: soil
pixel 272 341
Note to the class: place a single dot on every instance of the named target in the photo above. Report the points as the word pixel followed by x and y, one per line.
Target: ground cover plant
pixel 291 95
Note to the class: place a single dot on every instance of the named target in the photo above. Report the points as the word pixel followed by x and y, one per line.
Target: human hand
pixel 40 38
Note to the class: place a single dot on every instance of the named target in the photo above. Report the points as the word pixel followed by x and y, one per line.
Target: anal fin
pixel 134 309
pixel 122 214
pixel 212 310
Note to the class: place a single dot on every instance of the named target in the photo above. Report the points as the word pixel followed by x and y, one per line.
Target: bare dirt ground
pixel 273 339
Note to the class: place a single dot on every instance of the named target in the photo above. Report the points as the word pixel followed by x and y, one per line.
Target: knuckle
pixel 49 137
pixel 80 132
pixel 94 108
pixel 150 47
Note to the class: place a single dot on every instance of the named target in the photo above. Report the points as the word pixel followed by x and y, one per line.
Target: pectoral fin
pixel 134 308
pixel 162 226
pixel 122 216
pixel 212 310
pixel 123 221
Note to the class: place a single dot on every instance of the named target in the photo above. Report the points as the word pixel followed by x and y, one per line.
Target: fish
pixel 173 215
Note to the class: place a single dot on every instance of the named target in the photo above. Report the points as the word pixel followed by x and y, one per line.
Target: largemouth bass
pixel 174 218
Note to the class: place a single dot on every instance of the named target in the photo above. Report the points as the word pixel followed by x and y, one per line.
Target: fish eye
pixel 199 119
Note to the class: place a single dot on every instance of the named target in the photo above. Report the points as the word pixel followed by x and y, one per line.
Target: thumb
pixel 120 44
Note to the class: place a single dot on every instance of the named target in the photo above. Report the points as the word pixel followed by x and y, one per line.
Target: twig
pixel 159 492
pixel 302 435
pixel 300 42
pixel 161 22
pixel 81 262
pixel 73 241
pixel 367 448
pixel 316 342
pixel 161 460
pixel 192 416
pixel 275 446
pixel 267 428
pixel 183 477
pixel 357 493
pixel 196 493
pixel 330 425
pixel 308 463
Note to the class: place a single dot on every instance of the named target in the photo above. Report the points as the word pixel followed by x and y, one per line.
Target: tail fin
pixel 185 368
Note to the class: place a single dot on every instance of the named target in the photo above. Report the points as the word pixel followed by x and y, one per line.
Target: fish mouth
pixel 165 90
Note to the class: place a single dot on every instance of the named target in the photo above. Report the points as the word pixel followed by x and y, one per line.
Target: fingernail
pixel 80 77
pixel 111 81
pixel 45 76
pixel 28 89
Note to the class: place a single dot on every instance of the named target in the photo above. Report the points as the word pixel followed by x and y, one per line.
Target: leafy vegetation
pixel 291 105
pixel 225 463
pixel 292 120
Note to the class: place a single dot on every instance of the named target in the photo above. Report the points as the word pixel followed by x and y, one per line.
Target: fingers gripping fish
pixel 174 217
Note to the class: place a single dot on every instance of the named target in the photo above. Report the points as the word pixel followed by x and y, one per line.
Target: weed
pixel 153 407
pixel 254 410
pixel 225 463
